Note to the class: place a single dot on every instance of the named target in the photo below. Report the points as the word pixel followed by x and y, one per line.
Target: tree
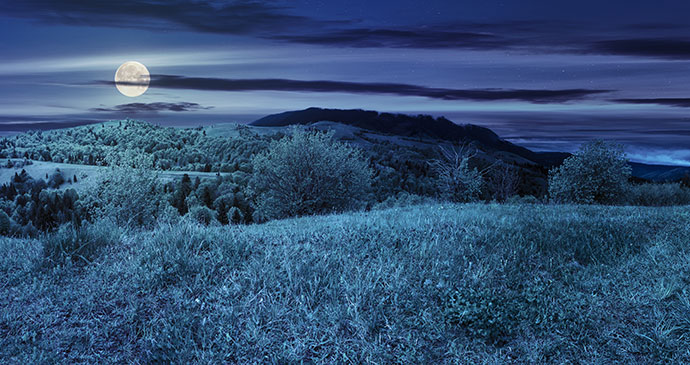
pixel 456 181
pixel 504 181
pixel 307 172
pixel 597 173
pixel 4 223
pixel 129 196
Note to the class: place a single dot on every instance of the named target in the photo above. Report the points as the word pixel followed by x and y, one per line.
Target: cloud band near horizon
pixel 220 84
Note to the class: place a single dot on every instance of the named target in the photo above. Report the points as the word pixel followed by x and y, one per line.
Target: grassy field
pixel 423 284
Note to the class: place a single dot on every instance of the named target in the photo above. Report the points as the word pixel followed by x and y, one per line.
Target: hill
pixel 425 284
pixel 420 127
pixel 659 172
pixel 430 129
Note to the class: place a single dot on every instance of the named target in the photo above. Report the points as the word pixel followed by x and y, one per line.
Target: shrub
pixel 78 244
pixel 235 216
pixel 403 199
pixel 131 197
pixel 597 173
pixel 484 313
pixel 4 223
pixel 658 195
pixel 202 214
pixel 456 181
pixel 56 179
pixel 527 199
pixel 307 172
pixel 504 181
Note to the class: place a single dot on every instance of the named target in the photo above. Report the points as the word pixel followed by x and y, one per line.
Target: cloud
pixel 217 84
pixel 679 102
pixel 269 20
pixel 402 38
pixel 647 47
pixel 152 107
pixel 229 17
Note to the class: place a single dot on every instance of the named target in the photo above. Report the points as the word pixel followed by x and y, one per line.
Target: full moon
pixel 132 79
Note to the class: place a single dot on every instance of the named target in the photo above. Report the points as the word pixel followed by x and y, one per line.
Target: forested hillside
pixel 127 159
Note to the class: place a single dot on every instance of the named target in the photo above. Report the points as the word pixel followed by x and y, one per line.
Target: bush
pixel 597 173
pixel 4 223
pixel 658 195
pixel 202 214
pixel 235 216
pixel 527 199
pixel 307 172
pixel 403 199
pixel 456 181
pixel 56 179
pixel 131 197
pixel 78 244
pixel 504 181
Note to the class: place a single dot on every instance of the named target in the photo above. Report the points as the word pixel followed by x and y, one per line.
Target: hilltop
pixel 430 130
pixel 423 127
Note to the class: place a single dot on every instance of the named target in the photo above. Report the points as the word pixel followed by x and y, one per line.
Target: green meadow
pixel 435 283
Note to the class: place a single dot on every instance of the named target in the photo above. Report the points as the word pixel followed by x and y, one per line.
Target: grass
pixel 424 284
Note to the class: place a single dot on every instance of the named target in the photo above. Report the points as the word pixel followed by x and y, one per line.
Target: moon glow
pixel 132 79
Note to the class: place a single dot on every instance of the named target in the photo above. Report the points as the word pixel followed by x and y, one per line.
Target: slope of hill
pixel 421 126
pixel 659 172
pixel 426 284
pixel 426 129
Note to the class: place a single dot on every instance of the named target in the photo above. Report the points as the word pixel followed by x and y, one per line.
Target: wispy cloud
pixel 402 38
pixel 152 107
pixel 227 17
pixel 679 102
pixel 218 84
pixel 647 47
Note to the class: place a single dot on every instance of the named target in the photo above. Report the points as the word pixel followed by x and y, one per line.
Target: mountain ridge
pixel 441 128
pixel 419 126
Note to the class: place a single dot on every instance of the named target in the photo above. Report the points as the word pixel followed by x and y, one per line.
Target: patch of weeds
pixel 71 244
pixel 483 312
pixel 494 314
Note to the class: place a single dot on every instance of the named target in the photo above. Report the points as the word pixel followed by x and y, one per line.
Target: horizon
pixel 543 76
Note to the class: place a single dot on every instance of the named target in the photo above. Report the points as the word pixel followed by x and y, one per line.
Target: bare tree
pixel 504 181
pixel 456 180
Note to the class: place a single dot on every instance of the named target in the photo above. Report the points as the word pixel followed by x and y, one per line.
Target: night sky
pixel 545 74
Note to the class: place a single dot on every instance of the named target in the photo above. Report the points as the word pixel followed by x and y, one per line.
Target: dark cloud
pixel 216 84
pixel 267 19
pixel 679 102
pixel 152 107
pixel 647 47
pixel 231 17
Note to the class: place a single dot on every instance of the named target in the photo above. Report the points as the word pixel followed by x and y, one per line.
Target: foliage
pixel 503 181
pixel 129 196
pixel 32 206
pixel 403 199
pixel 202 214
pixel 307 173
pixel 70 244
pixel 168 148
pixel 657 195
pixel 597 173
pixel 4 223
pixel 457 181
pixel 528 199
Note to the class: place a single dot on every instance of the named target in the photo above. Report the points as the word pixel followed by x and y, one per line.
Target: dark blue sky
pixel 545 74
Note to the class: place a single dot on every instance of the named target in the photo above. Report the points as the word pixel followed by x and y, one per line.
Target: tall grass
pixel 440 283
